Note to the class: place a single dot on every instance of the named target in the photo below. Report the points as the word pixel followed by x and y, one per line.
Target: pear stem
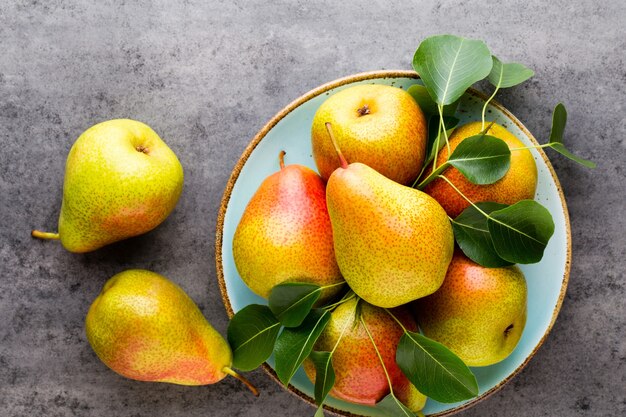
pixel 281 159
pixel 45 235
pixel 344 163
pixel 247 383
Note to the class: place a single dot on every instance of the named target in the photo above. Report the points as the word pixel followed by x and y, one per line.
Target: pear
pixel 359 375
pixel 519 183
pixel 393 243
pixel 284 233
pixel 410 396
pixel 378 125
pixel 479 313
pixel 121 180
pixel 146 328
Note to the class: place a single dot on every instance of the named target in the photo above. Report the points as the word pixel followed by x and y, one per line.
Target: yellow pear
pixel 519 183
pixel 378 125
pixel 393 243
pixel 479 313
pixel 284 233
pixel 145 327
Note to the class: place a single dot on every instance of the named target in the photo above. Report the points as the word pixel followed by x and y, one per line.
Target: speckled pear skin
pixel 285 233
pixel 473 309
pixel 410 396
pixel 121 180
pixel 145 327
pixel 393 243
pixel 391 138
pixel 519 183
pixel 359 375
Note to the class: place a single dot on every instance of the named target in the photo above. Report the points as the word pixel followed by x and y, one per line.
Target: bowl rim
pixel 363 76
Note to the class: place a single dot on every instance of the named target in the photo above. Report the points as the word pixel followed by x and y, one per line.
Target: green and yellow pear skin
pixel 285 235
pixel 121 180
pixel 410 396
pixel 393 243
pixel 146 328
pixel 479 313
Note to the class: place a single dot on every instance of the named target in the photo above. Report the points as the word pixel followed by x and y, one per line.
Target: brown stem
pixel 247 383
pixel 344 163
pixel 281 159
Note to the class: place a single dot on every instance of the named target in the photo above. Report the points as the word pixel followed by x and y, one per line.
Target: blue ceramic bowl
pixel 290 129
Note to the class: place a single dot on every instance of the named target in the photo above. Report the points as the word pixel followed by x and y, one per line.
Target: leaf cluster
pixel 291 324
pixel 491 234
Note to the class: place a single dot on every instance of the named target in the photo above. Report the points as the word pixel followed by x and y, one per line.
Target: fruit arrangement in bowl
pixel 389 244
pixel 394 243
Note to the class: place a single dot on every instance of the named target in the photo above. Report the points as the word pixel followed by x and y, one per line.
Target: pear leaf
pixel 450 109
pixel 559 119
pixel 434 369
pixel 520 233
pixel 295 344
pixel 448 65
pixel 324 375
pixel 252 333
pixel 482 159
pixel 393 407
pixel 426 103
pixel 508 75
pixel 319 412
pixel 423 99
pixel 472 235
pixel 291 302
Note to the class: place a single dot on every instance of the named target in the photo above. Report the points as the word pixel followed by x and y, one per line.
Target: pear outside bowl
pixel 289 130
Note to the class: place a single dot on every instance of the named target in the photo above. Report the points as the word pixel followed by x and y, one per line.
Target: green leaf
pixel 291 302
pixel 426 103
pixel 520 233
pixel 450 109
pixel 423 99
pixel 324 375
pixel 252 333
pixel 508 75
pixel 559 119
pixel 393 407
pixel 473 237
pixel 448 65
pixel 560 148
pixel 434 369
pixel 295 344
pixel 319 412
pixel 482 159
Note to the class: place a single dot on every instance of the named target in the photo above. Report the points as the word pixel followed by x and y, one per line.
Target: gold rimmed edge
pixel 349 80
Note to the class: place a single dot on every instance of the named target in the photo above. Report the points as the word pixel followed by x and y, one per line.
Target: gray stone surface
pixel 206 75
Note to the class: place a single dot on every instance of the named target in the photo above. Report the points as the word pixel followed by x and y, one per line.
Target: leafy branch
pixel 482 159
pixel 559 119
pixel 505 76
pixel 519 233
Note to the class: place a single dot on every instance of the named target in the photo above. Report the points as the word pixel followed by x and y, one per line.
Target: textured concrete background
pixel 206 76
